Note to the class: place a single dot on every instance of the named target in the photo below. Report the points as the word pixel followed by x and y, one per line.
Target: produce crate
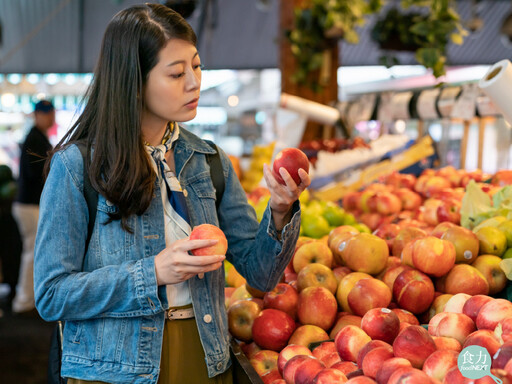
pixel 243 372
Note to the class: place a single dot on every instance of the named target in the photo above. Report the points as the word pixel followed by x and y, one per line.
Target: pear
pixel 492 241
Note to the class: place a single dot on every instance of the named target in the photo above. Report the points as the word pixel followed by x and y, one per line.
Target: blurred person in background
pixel 34 151
pixel 10 239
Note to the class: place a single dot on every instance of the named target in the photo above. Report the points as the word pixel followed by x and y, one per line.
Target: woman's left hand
pixel 282 196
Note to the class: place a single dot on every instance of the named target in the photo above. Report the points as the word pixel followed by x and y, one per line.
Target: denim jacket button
pixel 109 203
pixel 185 193
pixel 219 366
pixel 207 318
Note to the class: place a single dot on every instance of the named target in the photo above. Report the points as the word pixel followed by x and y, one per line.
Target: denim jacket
pixel 110 301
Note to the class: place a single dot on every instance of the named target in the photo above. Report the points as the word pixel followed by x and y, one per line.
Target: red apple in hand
pixel 210 232
pixel 291 159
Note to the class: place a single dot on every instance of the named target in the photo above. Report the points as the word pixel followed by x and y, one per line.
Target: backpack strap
pixel 216 173
pixel 90 194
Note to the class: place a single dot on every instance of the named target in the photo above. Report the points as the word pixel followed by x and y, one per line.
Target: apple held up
pixel 291 159
pixel 209 231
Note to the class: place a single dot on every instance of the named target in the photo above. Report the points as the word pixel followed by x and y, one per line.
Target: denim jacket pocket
pixel 113 239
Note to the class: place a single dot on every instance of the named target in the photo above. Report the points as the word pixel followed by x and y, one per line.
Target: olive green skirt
pixel 183 359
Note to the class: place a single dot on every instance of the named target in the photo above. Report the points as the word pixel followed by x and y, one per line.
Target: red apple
pixel 340 273
pixel 483 338
pixel 413 291
pixel 409 375
pixel 503 330
pixel 272 329
pixel 465 278
pixel 271 377
pixel 414 344
pixel 473 305
pixel 250 349
pixel 370 346
pixel 359 379
pixel 439 363
pixel 291 366
pixel 337 244
pixel 441 229
pixel 465 242
pixel 366 253
pixel 264 361
pixel 447 343
pixel 329 376
pixel 284 298
pixel 449 211
pixel 317 306
pixel 331 359
pixel 324 349
pixel 317 275
pixel 307 334
pixel 343 321
pixel 210 232
pixel 349 342
pixel 410 199
pixel 453 376
pixel 345 367
pixel 390 275
pixel 492 313
pixel 367 294
pixel 387 232
pixel 386 203
pixel 374 360
pixel 344 287
pixel 433 256
pixel 456 302
pixel 406 235
pixel 489 267
pixel 406 316
pixel 291 159
pixel 290 351
pixel 381 324
pixel 313 252
pixel 306 372
pixel 502 356
pixel 390 366
pixel 241 315
pixel 455 325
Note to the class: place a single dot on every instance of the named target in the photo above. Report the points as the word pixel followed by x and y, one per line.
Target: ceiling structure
pixel 61 36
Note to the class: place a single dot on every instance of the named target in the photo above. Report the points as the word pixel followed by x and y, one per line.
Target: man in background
pixel 26 207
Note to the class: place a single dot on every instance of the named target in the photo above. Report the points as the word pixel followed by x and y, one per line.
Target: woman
pixel 115 292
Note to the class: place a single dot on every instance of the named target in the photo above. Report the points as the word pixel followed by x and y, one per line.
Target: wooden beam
pixel 288 65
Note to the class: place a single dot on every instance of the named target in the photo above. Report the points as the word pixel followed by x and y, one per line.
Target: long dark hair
pixel 111 120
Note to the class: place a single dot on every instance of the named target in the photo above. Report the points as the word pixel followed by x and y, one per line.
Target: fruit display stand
pixel 355 177
pixel 243 372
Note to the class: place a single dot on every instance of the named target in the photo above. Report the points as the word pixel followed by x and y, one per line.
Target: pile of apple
pixel 350 305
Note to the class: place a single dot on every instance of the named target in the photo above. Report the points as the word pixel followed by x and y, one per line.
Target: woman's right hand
pixel 174 264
